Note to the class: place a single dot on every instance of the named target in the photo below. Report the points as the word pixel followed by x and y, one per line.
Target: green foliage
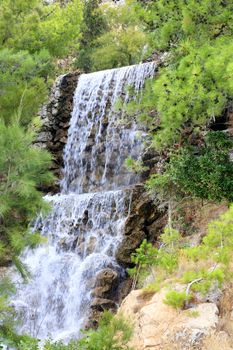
pixel 143 258
pixel 113 333
pixel 32 34
pixel 171 23
pixel 113 37
pixel 167 258
pixel 23 168
pixel 34 26
pixel 193 91
pixel 212 258
pixel 22 84
pixel 94 25
pixel 176 299
pixel 144 255
pixel 216 248
pixel 118 48
pixel 135 166
pixel 147 256
pixel 220 238
pixel 189 92
pixel 204 172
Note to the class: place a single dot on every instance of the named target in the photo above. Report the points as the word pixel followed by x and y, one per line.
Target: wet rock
pixel 44 137
pixel 107 277
pixel 101 304
pixel 90 246
pixel 55 117
pixel 145 221
pixel 128 246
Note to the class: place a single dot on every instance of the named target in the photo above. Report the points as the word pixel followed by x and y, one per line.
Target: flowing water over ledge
pixel 86 223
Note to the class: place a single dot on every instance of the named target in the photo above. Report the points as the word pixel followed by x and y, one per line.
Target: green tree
pixel 23 84
pixel 94 25
pixel 120 40
pixel 171 23
pixel 33 26
pixel 23 169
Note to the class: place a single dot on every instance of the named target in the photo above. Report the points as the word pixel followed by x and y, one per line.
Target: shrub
pixel 176 299
pixel 113 333
pixel 204 172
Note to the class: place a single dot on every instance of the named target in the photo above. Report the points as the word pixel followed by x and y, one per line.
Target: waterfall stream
pixel 86 223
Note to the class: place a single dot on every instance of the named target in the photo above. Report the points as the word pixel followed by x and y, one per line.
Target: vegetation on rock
pixel 198 268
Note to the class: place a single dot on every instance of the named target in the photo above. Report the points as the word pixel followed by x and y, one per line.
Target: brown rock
pixel 159 326
pixel 106 277
pixel 128 246
pixel 102 304
pixel 55 118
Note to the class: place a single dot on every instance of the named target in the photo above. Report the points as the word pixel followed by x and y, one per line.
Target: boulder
pixel 106 284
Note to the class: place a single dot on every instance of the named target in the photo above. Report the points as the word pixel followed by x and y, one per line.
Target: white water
pixel 87 221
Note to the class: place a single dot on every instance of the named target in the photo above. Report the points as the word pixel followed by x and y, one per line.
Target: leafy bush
pixel 204 172
pixel 206 265
pixel 23 84
pixel 147 257
pixel 176 299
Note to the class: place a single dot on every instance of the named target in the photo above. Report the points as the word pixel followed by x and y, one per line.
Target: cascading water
pixel 87 219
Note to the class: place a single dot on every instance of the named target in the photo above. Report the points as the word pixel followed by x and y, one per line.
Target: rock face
pixel 55 117
pixel 144 222
pixel 159 327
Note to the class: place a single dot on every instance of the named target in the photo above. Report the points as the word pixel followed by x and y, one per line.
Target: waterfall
pixel 86 223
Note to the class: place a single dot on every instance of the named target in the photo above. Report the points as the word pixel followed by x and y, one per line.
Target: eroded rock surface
pixel 158 326
pixel 144 221
pixel 55 117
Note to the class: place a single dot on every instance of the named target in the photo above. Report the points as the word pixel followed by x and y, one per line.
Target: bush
pixel 113 333
pixel 203 172
pixel 176 299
